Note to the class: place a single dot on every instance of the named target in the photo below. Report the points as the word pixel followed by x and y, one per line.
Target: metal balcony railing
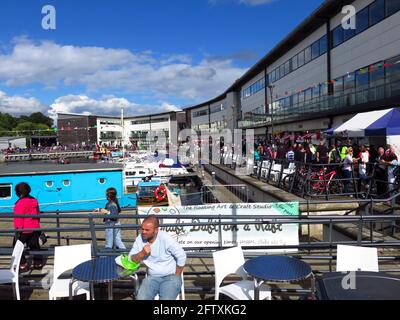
pixel 327 104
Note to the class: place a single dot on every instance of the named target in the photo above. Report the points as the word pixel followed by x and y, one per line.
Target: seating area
pixel 231 281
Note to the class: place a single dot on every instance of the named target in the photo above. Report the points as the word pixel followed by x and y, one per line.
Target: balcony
pixel 325 106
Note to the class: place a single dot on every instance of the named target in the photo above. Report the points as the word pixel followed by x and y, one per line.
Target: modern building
pixel 143 129
pixel 321 74
pixel 316 78
pixel 76 129
pixel 107 130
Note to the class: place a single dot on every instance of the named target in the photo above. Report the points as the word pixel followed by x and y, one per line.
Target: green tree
pixel 43 130
pixel 4 132
pixel 38 117
pixel 25 128
pixel 7 121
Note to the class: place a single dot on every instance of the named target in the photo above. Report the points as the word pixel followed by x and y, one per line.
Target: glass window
pixel 5 191
pixel 376 73
pixel 362 21
pixel 323 45
pixel 49 184
pixel 307 55
pixel 294 63
pixel 301 97
pixel 392 6
pixel 348 34
pixel 295 99
pixel 338 85
pixel 262 85
pixel 315 50
pixel 278 73
pixel 316 91
pixel 392 67
pixel 285 103
pixel 282 70
pixel 102 180
pixel 66 183
pixel 337 36
pixel 362 77
pixel 349 82
pixel 273 76
pixel 376 12
pixel 308 94
pixel 301 58
pixel 324 89
pixel 287 67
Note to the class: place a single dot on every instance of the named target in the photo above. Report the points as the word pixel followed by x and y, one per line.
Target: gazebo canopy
pixel 370 124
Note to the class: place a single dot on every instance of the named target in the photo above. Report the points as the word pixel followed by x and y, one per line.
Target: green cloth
pixel 343 152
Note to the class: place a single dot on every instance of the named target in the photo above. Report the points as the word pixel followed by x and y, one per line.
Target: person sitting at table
pixel 164 259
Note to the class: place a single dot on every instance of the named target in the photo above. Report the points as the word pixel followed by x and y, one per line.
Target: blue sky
pixel 146 55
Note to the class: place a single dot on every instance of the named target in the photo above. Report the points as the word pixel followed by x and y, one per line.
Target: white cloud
pixel 102 69
pixel 17 105
pixel 107 105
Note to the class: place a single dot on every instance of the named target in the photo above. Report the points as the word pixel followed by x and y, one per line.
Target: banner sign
pixel 203 236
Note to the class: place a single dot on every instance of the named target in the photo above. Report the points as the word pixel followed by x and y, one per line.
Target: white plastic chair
pixel 291 169
pixel 276 171
pixel 230 261
pixel 264 169
pixel 12 275
pixel 67 258
pixel 352 258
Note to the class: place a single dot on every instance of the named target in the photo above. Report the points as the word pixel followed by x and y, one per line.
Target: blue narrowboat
pixel 69 187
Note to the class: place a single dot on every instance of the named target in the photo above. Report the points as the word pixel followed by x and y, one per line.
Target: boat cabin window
pixel 142 172
pixel 147 191
pixel 102 180
pixel 66 183
pixel 49 184
pixel 5 191
pixel 130 173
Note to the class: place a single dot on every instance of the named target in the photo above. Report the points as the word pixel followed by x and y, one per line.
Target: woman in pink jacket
pixel 29 206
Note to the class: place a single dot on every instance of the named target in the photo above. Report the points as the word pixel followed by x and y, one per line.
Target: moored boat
pixel 69 187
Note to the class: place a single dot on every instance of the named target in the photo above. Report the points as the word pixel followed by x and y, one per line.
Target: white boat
pixel 142 169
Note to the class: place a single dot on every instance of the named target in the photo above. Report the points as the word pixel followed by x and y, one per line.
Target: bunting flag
pixel 363 70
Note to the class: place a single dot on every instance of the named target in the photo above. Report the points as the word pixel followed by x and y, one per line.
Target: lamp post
pixel 271 111
pixel 122 134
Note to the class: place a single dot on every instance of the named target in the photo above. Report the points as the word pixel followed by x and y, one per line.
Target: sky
pixel 147 56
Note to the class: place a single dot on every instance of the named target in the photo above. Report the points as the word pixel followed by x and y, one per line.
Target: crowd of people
pixel 47 149
pixel 346 157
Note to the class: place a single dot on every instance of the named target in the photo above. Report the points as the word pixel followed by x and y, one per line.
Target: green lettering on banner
pixel 287 208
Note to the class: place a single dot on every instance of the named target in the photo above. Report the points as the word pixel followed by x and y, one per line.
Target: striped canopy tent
pixel 370 124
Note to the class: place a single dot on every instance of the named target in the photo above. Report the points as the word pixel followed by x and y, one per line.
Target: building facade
pixel 316 78
pixel 322 74
pixel 76 129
